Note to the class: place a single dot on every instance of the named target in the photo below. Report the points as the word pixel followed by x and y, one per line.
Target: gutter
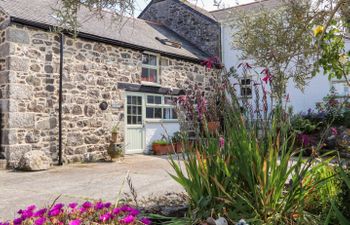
pixel 104 40
pixel 60 151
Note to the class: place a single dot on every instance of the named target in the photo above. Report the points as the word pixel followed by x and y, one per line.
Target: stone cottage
pixel 113 74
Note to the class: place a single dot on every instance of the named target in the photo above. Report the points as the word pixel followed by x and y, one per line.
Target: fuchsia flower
pixel 116 211
pixel 267 77
pixel 127 220
pixel 334 131
pixel 31 207
pixel 99 205
pixel 26 214
pixel 107 204
pixel 40 212
pixel 221 142
pixel 87 205
pixel 40 221
pixel 75 222
pixel 145 221
pixel 17 221
pixel 54 212
pixel 106 217
pixel 58 206
pixel 73 205
pixel 134 212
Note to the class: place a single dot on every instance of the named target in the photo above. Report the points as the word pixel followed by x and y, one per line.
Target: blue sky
pixel 206 4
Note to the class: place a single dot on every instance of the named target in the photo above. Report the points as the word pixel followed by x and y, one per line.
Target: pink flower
pixel 107 204
pixel 17 221
pixel 87 205
pixel 73 205
pixel 40 212
pixel 145 221
pixel 54 212
pixel 106 217
pixel 116 211
pixel 134 212
pixel 99 205
pixel 75 222
pixel 127 220
pixel 334 131
pixel 221 142
pixel 31 207
pixel 40 221
pixel 58 206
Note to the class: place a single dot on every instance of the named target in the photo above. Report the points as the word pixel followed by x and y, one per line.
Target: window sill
pixel 150 84
pixel 161 121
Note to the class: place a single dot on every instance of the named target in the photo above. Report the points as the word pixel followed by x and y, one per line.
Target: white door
pixel 134 138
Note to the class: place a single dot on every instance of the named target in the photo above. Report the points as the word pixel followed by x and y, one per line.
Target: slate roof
pixel 130 32
pixel 225 14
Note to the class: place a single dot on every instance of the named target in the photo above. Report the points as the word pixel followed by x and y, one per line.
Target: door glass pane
pixel 129 119
pixel 149 112
pixel 139 120
pixel 158 113
pixel 129 110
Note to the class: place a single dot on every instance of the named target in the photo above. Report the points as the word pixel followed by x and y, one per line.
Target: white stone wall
pixel 91 73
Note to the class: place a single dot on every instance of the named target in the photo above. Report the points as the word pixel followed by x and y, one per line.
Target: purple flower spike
pixel 127 220
pixel 40 212
pixel 40 221
pixel 73 205
pixel 145 221
pixel 75 222
pixel 17 221
pixel 107 204
pixel 87 205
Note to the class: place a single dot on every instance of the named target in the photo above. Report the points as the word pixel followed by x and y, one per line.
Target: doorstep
pixel 3 164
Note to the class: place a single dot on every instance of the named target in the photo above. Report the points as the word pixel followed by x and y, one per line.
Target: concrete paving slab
pixel 77 182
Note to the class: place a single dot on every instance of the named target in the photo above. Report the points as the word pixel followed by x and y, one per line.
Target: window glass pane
pixel 139 110
pixel 157 100
pixel 152 75
pixel 129 119
pixel 139 120
pixel 145 59
pixel 169 113
pixel 145 74
pixel 149 112
pixel 245 81
pixel 134 112
pixel 150 99
pixel 129 110
pixel 153 60
pixel 129 99
pixel 133 100
pixel 168 100
pixel 158 113
pixel 139 100
pixel 174 114
pixel 134 120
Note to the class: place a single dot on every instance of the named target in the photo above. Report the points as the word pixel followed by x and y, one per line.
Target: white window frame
pixel 157 68
pixel 162 105
pixel 250 85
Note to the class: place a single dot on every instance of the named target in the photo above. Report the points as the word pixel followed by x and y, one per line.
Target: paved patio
pixel 75 182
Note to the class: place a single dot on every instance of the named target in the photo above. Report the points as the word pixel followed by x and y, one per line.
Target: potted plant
pixel 177 140
pixel 162 147
pixel 114 134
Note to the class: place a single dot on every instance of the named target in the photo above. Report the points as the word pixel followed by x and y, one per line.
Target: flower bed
pixel 73 214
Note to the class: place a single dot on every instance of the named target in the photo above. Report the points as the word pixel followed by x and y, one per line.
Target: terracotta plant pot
pixel 213 127
pixel 162 149
pixel 114 137
pixel 179 147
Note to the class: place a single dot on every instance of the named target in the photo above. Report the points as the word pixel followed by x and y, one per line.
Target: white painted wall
pixel 155 131
pixel 316 88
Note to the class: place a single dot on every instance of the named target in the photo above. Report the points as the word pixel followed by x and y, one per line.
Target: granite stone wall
pixel 29 92
pixel 193 26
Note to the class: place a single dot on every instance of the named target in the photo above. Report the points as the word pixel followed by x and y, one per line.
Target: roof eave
pixel 104 40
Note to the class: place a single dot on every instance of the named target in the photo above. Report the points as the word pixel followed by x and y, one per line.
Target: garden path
pixel 76 182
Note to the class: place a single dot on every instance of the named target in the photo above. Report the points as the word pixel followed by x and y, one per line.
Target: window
pixel 160 107
pixel 134 110
pixel 246 87
pixel 150 68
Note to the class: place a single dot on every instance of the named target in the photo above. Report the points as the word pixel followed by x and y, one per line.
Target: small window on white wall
pixel 150 68
pixel 246 87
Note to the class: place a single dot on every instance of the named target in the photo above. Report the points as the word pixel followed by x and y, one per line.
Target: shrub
pixel 73 214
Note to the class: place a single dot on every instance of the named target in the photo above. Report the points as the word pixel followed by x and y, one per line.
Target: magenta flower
pixel 5 223
pixel 54 212
pixel 20 211
pixel 99 205
pixel 75 222
pixel 40 221
pixel 26 214
pixel 31 207
pixel 87 205
pixel 334 131
pixel 73 205
pixel 106 217
pixel 221 142
pixel 127 220
pixel 58 206
pixel 17 221
pixel 145 220
pixel 40 212
pixel 125 208
pixel 116 211
pixel 107 204
pixel 134 212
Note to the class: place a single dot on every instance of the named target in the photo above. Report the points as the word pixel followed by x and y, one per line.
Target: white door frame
pixel 142 126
